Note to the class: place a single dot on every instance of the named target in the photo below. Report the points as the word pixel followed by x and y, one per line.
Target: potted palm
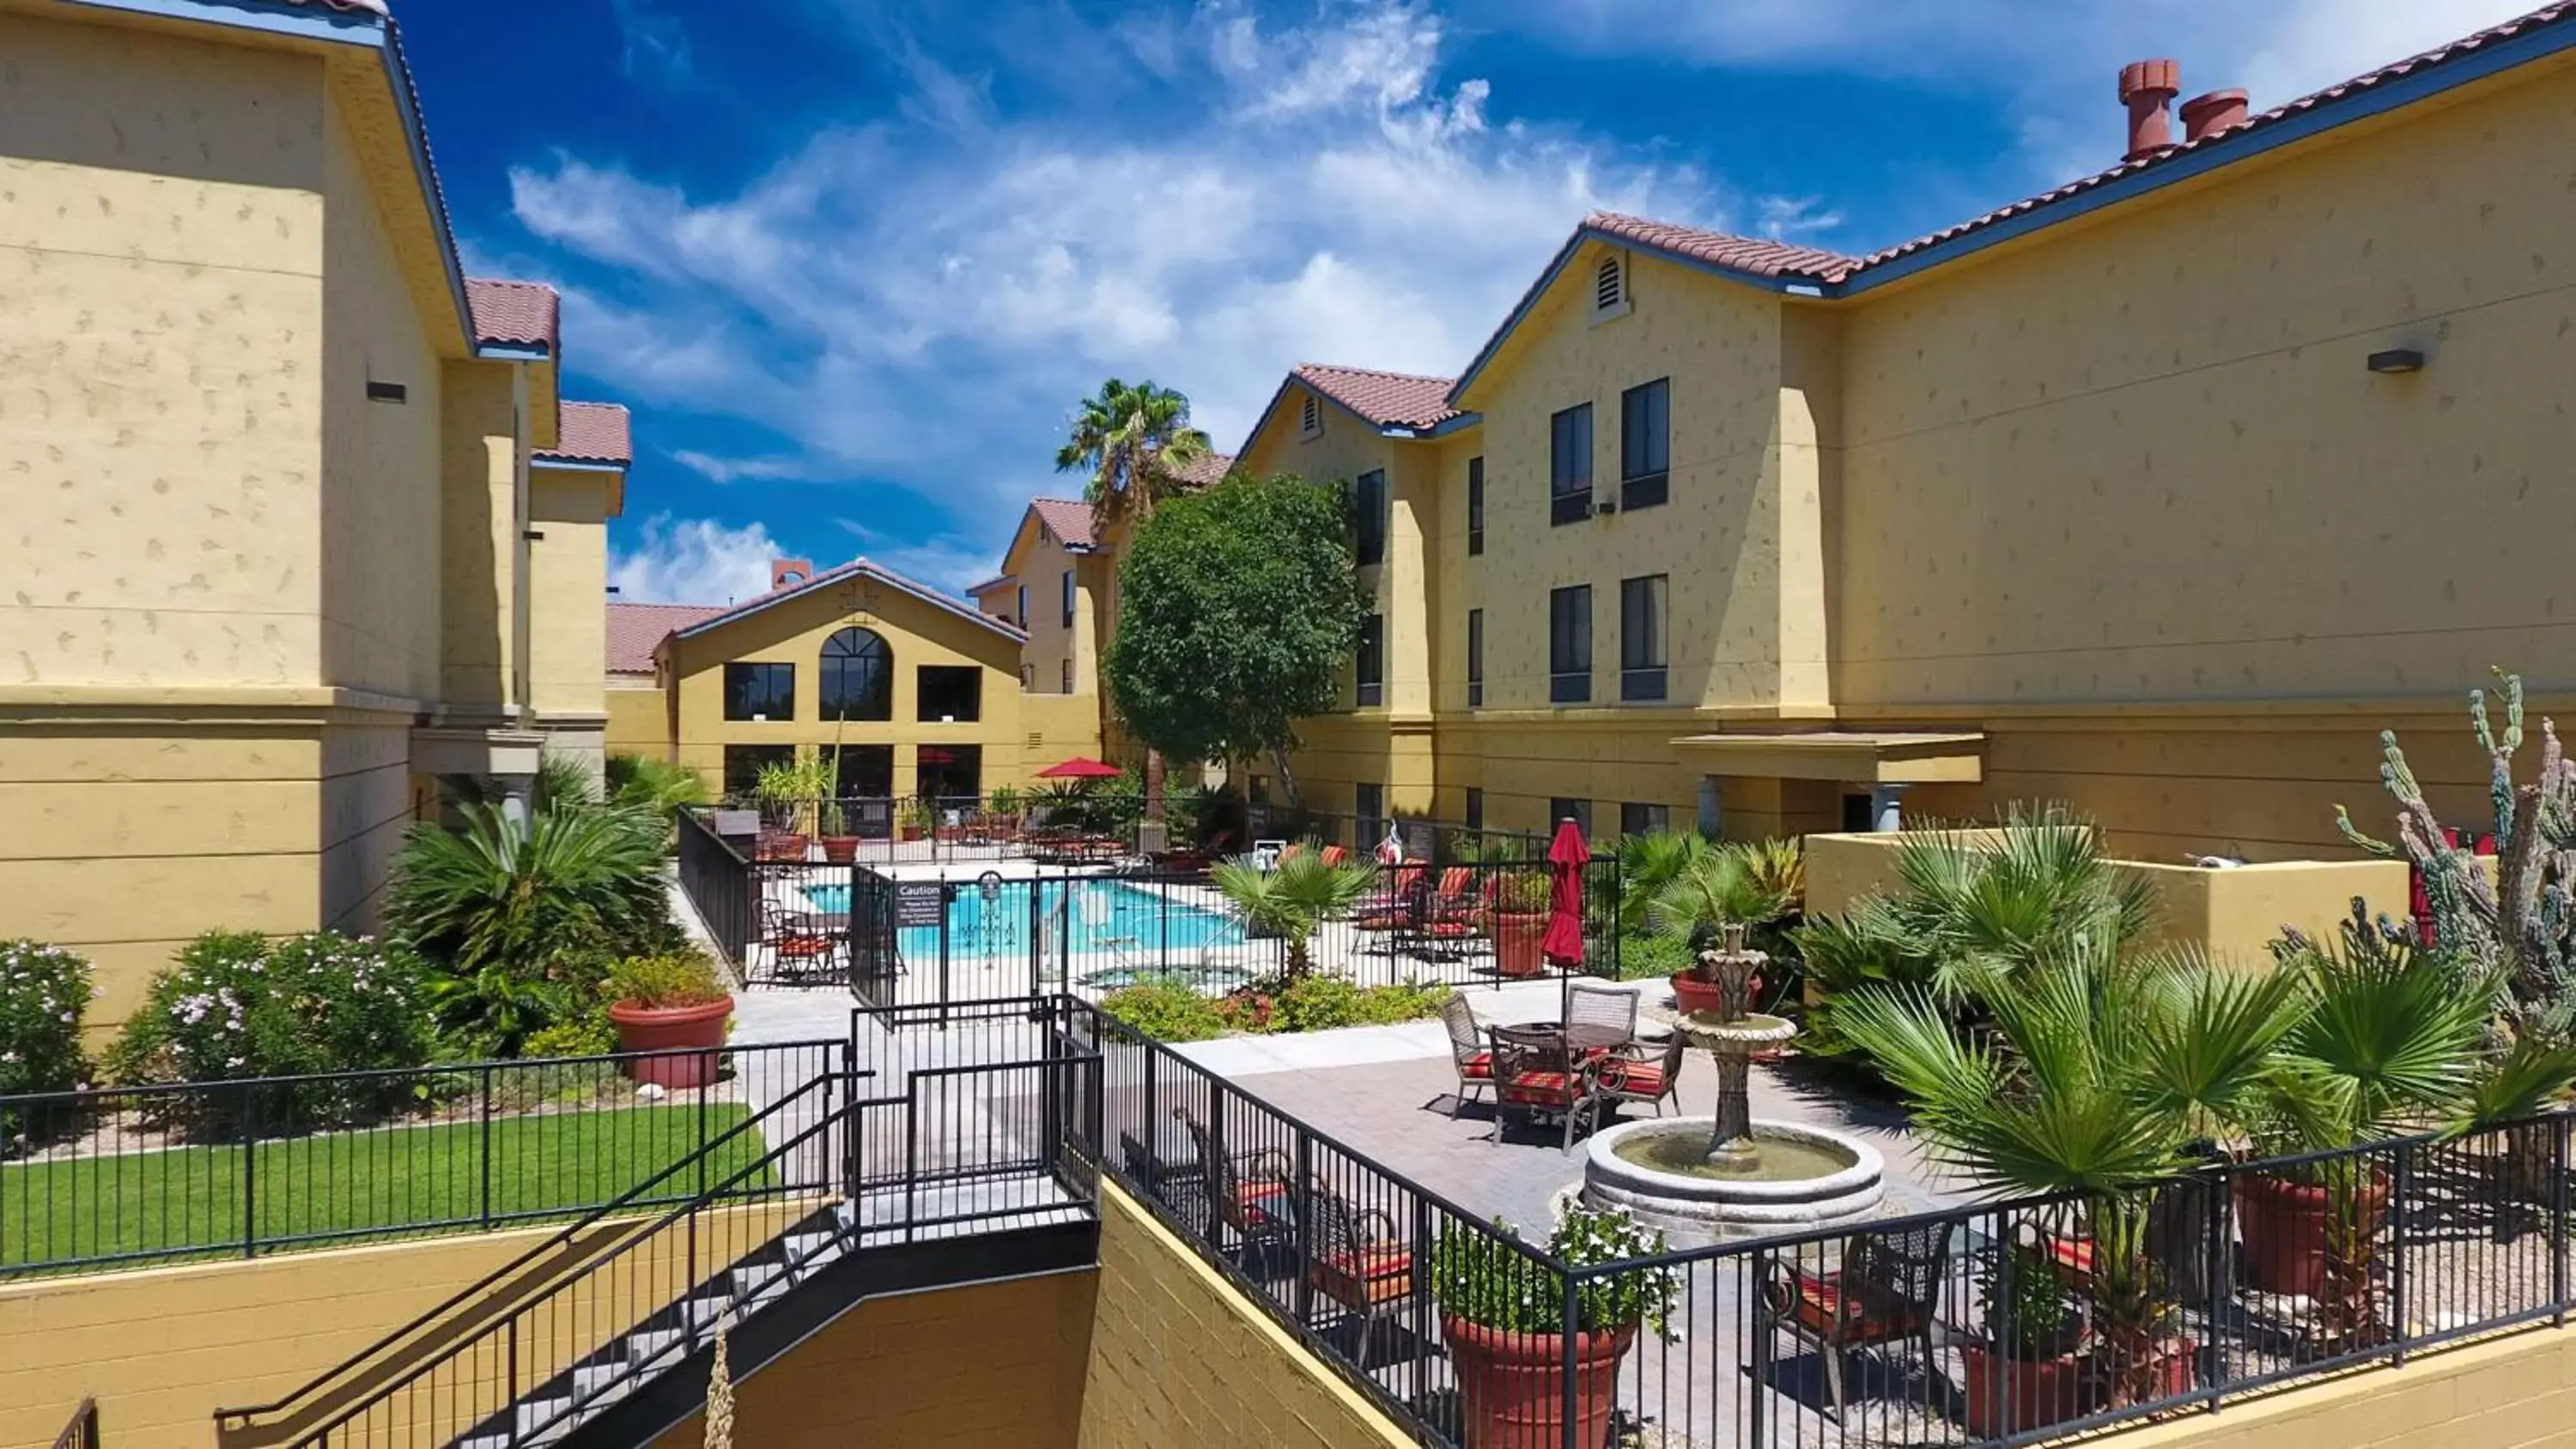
pixel 1517 907
pixel 1294 899
pixel 786 791
pixel 2026 1372
pixel 2105 1073
pixel 920 817
pixel 1503 1315
pixel 1712 892
pixel 664 1003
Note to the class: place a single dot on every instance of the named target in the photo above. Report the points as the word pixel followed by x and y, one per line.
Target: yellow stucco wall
pixel 568 583
pixel 639 720
pixel 793 632
pixel 1038 562
pixel 484 501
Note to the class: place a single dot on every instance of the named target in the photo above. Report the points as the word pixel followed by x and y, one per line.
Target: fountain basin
pixel 1655 1169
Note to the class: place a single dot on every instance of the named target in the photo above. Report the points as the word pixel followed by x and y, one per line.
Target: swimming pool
pixel 1079 917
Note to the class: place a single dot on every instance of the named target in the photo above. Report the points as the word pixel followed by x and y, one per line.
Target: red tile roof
pixel 635 630
pixel 1388 399
pixel 1210 468
pixel 857 567
pixel 1736 253
pixel 513 314
pixel 1069 519
pixel 587 432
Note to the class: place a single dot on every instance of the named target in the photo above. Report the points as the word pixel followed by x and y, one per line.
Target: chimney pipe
pixel 784 572
pixel 2146 88
pixel 2212 112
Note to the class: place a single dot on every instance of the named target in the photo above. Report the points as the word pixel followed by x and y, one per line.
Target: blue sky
pixel 851 262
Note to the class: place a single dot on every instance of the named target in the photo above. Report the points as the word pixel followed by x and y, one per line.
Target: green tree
pixel 1133 441
pixel 1237 609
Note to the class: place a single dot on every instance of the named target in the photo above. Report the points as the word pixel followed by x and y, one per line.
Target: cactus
pixel 2521 924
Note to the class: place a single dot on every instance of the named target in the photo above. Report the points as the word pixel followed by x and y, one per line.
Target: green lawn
pixel 185 1199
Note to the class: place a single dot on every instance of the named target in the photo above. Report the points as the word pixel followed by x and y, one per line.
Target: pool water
pixel 1079 916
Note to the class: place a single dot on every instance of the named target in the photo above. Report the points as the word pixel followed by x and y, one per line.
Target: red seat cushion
pixel 1645 1079
pixel 805 946
pixel 1478 1068
pixel 1821 1308
pixel 1545 1089
pixel 1372 1275
pixel 2073 1256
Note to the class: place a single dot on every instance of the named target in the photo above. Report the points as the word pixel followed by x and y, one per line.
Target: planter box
pixel 1517 942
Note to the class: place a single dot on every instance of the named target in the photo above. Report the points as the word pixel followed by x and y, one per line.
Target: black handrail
pixel 82 1431
pixel 570 1233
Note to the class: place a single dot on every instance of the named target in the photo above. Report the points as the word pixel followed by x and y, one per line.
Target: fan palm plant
pixel 1295 898
pixel 2102 1071
pixel 1715 888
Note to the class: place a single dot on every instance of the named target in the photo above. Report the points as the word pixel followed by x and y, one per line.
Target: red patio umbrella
pixel 1566 857
pixel 1081 767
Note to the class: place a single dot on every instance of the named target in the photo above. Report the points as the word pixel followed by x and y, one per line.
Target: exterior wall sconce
pixel 2397 359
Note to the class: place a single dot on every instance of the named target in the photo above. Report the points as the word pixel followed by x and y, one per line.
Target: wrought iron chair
pixel 1885 1290
pixel 1467 1050
pixel 1646 1072
pixel 799 945
pixel 1535 1075
pixel 1246 1191
pixel 1357 1260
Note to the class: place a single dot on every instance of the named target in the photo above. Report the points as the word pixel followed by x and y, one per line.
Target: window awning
pixel 1857 758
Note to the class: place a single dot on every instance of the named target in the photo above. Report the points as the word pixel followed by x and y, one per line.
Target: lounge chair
pixel 1391 908
pixel 1357 1261
pixel 1467 1050
pixel 1883 1291
pixel 1335 855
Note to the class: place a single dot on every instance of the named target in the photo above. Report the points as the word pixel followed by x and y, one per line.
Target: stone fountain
pixel 1731 1175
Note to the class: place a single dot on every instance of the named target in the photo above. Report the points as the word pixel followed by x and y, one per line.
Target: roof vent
pixel 2147 87
pixel 1310 416
pixel 786 573
pixel 1609 286
pixel 2212 112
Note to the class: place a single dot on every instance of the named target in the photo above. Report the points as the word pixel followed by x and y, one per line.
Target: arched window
pixel 858 676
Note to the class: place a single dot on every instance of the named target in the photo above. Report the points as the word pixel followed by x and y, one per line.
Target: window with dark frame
pixel 1368 517
pixel 1641 638
pixel 1065 668
pixel 1368 671
pixel 1475 506
pixel 950 775
pixel 1645 444
pixel 1475 658
pixel 1023 617
pixel 1565 807
pixel 1369 804
pixel 857 679
pixel 948 692
pixel 1640 819
pixel 1068 598
pixel 1569 465
pixel 1475 811
pixel 760 691
pixel 743 764
pixel 1569 645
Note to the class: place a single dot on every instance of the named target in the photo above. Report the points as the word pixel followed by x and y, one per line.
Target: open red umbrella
pixel 1566 857
pixel 1080 767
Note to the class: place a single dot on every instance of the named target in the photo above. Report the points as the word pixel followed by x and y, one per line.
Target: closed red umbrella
pixel 1080 767
pixel 1566 857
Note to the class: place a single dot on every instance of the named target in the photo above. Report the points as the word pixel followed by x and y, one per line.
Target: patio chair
pixel 1467 1049
pixel 1452 911
pixel 1884 1291
pixel 1532 1077
pixel 1357 1261
pixel 1643 1072
pixel 1335 855
pixel 799 946
pixel 1246 1191
pixel 1390 908
pixel 1602 1006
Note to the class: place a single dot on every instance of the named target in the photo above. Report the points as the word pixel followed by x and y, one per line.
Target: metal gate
pixel 876 948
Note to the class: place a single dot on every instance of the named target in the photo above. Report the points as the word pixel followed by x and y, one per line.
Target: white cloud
pixel 693 561
pixel 925 300
pixel 1785 218
pixel 656 47
pixel 730 470
pixel 947 562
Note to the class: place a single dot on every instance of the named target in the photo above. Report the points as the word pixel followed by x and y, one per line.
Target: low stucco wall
pixel 2233 913
pixel 2517 1392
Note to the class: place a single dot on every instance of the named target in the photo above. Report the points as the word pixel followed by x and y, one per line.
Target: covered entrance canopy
pixel 1882 762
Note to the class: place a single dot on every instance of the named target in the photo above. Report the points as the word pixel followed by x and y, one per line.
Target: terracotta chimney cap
pixel 2212 112
pixel 2147 77
pixel 787 572
pixel 2145 88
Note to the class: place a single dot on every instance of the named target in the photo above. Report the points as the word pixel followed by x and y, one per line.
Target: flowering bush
pixel 239 1005
pixel 1487 1277
pixel 43 990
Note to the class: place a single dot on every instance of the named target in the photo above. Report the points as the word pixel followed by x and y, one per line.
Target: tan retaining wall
pixel 2517 1392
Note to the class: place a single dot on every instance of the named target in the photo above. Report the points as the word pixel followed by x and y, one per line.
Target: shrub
pixel 43 991
pixel 1321 1003
pixel 236 1004
pixel 1485 1277
pixel 1166 1011
pixel 665 979
pixel 577 1034
pixel 1656 954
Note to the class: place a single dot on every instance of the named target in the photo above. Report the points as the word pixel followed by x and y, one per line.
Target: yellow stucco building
pixel 299 523
pixel 2161 493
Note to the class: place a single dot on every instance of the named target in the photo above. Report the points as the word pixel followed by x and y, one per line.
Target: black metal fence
pixel 1991 1324
pixel 719 882
pixel 135 1175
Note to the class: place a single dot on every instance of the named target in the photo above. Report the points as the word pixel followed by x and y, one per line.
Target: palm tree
pixel 1716 887
pixel 2104 1070
pixel 1133 441
pixel 1294 898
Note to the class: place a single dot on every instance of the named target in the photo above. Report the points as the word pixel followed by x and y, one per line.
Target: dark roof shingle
pixel 588 432
pixel 1388 399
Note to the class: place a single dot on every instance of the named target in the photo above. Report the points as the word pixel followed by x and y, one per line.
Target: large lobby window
pixel 949 693
pixel 743 764
pixel 949 773
pixel 760 691
pixel 858 676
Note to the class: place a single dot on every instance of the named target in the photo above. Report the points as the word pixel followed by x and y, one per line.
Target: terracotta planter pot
pixel 1517 939
pixel 668 1028
pixel 840 849
pixel 1511 1386
pixel 781 846
pixel 907 832
pixel 2286 1225
pixel 2034 1394
pixel 1691 993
